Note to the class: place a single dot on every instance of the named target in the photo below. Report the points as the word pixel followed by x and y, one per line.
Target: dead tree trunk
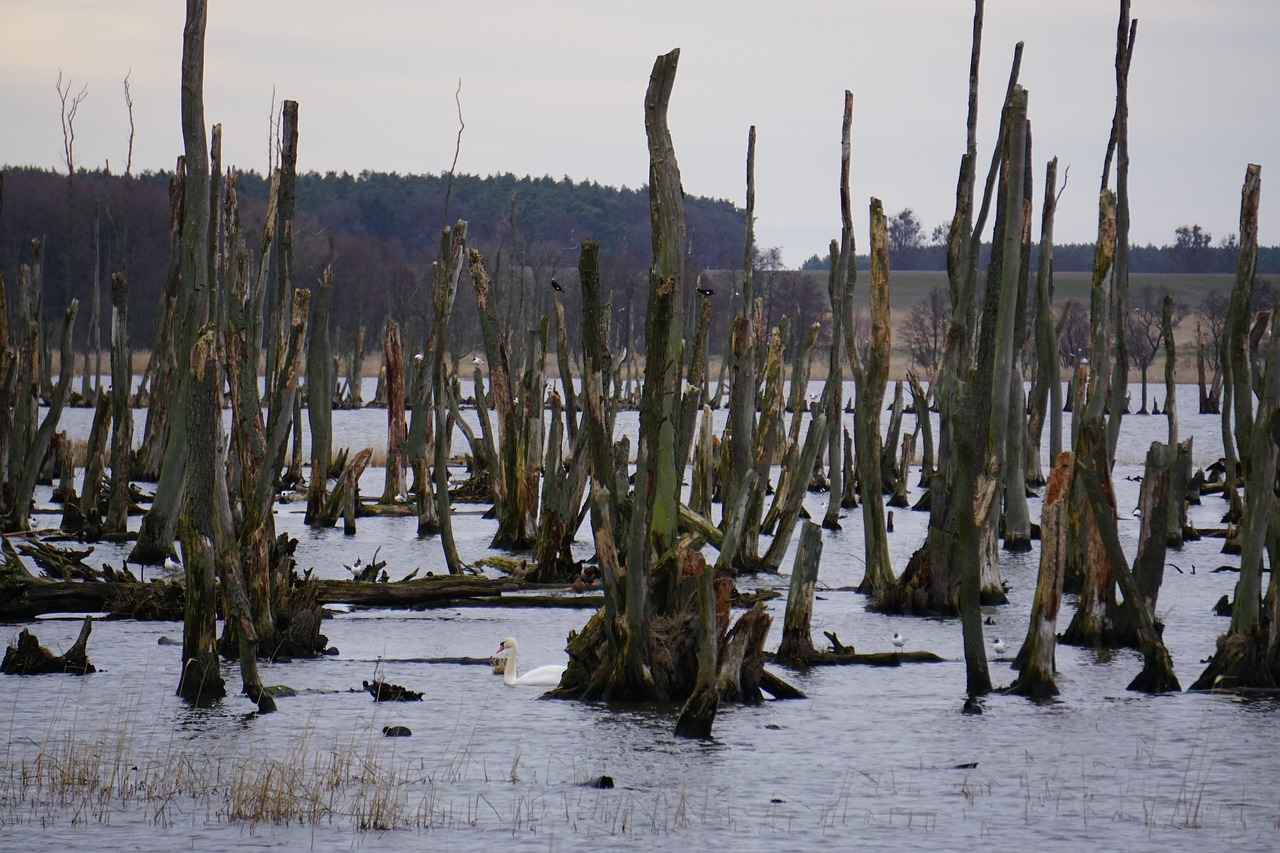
pixel 840 289
pixel 1247 655
pixel 871 379
pixel 156 534
pixel 320 396
pixel 1035 661
pixel 23 476
pixel 203 539
pixel 452 246
pixel 393 359
pixel 797 633
pixel 121 414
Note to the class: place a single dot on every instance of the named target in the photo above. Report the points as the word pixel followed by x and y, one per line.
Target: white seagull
pixel 1000 648
pixel 899 641
pixel 172 565
pixel 477 360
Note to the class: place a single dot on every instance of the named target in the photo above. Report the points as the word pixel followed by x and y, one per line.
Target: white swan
pixel 545 676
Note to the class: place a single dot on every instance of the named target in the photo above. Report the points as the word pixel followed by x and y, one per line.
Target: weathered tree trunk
pixel 121 414
pixel 1035 661
pixel 85 516
pixel 204 540
pixel 452 245
pixel 871 380
pixel 319 396
pixel 156 534
pixel 1046 391
pixel 840 289
pixel 797 633
pixel 1017 513
pixel 393 359
pixel 23 475
pixel 699 711
pixel 1247 655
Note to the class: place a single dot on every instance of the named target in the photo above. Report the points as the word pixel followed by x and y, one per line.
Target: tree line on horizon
pixel 1193 251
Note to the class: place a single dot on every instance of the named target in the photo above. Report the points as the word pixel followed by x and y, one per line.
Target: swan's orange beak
pixel 501 646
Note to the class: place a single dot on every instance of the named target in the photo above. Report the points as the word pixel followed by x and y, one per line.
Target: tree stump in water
pixel 28 657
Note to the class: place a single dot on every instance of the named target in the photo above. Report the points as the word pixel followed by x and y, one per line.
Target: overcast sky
pixel 556 87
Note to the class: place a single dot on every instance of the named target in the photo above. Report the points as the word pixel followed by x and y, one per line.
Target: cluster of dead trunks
pixel 549 462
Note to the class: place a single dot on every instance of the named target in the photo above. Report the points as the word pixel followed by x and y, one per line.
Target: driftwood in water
pixel 28 657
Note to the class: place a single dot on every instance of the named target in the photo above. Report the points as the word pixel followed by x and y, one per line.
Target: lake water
pixel 874 758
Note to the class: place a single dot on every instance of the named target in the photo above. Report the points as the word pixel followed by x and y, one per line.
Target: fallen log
pixel 24 598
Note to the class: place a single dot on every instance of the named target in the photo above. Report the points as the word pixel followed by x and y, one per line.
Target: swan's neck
pixel 509 670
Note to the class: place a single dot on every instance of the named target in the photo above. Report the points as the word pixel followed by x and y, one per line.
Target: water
pixel 874 757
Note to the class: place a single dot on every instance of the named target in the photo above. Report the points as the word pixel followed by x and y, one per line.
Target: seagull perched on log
pixel 555 285
pixel 172 565
pixel 477 360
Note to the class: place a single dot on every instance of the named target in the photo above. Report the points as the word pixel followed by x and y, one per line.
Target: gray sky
pixel 556 88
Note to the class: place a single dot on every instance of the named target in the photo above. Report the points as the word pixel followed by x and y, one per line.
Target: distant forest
pixel 381 233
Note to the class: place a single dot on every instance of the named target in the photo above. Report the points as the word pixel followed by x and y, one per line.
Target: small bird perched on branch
pixel 555 285
pixel 706 291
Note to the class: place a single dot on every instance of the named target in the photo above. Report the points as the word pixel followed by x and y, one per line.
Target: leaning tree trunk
pixel 1246 655
pixel 156 534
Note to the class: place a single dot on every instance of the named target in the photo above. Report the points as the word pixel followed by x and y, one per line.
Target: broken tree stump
pixel 28 657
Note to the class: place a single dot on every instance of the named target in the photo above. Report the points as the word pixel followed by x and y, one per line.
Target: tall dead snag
pixel 1247 656
pixel 932 582
pixel 1017 512
pixel 452 245
pixel 156 533
pixel 158 380
pixel 25 469
pixel 1035 661
pixel 121 413
pixel 320 396
pixel 870 380
pixel 393 359
pixel 283 623
pixel 739 442
pixel 1096 610
pixel 840 290
pixel 797 633
pixel 1046 389
pixel 204 539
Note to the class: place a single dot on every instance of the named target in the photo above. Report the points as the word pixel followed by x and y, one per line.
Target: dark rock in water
pixel 971 706
pixel 281 690
pixel 599 782
pixel 1223 607
pixel 168 641
pixel 396 731
pixel 331 651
